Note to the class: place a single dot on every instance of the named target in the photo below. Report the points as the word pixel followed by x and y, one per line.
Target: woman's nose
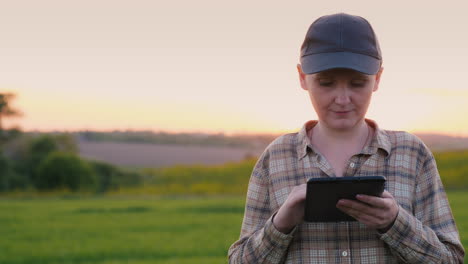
pixel 342 96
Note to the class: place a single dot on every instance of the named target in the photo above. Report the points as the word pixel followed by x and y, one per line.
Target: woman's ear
pixel 302 77
pixel 377 79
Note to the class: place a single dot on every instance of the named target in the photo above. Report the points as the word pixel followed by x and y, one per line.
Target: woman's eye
pixel 358 83
pixel 325 82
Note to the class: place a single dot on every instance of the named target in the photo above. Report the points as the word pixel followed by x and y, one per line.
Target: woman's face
pixel 340 97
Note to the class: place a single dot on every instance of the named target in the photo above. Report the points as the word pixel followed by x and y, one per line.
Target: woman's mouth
pixel 342 112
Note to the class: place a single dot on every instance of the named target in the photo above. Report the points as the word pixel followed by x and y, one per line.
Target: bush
pixel 64 170
pixel 105 174
pixel 4 173
pixel 9 178
pixel 110 177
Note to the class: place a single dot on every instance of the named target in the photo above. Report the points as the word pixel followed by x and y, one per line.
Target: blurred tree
pixel 5 108
pixel 39 148
pixel 42 146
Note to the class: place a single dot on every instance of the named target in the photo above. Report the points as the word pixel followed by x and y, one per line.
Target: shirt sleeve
pixel 260 241
pixel 429 234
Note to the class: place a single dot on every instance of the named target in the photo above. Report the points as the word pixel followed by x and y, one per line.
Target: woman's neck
pixel 334 137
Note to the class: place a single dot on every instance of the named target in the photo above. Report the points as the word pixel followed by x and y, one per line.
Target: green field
pixel 132 229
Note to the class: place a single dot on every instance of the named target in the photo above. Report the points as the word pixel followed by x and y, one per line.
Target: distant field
pixel 135 230
pixel 158 155
pixel 166 155
pixel 232 178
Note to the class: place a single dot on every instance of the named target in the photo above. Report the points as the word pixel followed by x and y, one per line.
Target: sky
pixel 219 66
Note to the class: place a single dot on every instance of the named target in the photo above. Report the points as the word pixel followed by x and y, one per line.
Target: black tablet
pixel 324 193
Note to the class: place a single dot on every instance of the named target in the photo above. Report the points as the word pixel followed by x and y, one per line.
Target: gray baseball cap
pixel 341 41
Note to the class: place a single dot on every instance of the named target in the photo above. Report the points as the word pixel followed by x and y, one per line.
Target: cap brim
pixel 315 63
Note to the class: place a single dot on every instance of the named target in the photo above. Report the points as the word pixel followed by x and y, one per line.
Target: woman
pixel 341 66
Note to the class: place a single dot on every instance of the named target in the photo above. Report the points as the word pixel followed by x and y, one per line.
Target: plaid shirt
pixel 423 232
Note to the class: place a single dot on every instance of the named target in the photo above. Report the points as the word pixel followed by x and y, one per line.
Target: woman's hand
pixel 291 213
pixel 375 212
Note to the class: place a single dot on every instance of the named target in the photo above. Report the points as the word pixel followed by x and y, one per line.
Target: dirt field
pixel 160 155
pixel 153 155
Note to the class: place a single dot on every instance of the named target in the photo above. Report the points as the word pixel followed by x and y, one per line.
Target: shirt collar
pixel 380 139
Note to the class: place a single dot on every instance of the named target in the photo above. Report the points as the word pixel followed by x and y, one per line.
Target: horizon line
pixel 226 133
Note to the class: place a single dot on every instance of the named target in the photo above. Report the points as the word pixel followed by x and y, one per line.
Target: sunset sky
pixel 219 66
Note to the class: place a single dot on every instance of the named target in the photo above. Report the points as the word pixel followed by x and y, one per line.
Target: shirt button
pixel 344 253
pixel 352 164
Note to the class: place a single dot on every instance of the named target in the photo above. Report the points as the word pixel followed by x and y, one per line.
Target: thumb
pixel 386 194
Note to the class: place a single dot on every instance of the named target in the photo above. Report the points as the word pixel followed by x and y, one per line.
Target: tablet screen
pixel 324 193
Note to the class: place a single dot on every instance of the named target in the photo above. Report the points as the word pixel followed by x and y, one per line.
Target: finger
pixel 298 193
pixel 384 202
pixel 372 200
pixel 372 221
pixel 366 219
pixel 369 221
pixel 357 206
pixel 387 194
pixel 301 187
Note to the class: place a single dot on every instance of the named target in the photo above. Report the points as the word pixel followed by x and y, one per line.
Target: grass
pixel 458 203
pixel 136 229
pixel 453 168
pixel 107 230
